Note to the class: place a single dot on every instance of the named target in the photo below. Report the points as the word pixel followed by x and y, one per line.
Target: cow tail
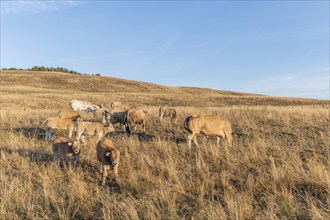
pixel 160 110
pixel 186 123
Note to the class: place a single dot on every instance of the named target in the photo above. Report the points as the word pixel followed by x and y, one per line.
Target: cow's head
pixel 113 156
pixel 106 117
pixel 110 127
pixel 75 146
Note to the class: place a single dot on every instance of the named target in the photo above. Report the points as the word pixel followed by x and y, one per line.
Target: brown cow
pixel 168 112
pixel 135 117
pixel 108 157
pixel 210 125
pixel 65 149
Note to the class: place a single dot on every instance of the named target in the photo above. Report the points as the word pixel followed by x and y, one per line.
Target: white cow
pixel 78 105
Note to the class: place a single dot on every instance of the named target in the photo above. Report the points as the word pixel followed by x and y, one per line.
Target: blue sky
pixel 278 48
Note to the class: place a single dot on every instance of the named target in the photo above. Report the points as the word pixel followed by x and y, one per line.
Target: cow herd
pixel 128 116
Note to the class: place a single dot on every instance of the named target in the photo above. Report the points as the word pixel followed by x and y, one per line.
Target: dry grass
pixel 278 167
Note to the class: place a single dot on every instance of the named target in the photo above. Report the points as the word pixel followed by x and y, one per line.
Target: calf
pixel 108 157
pixel 93 128
pixel 65 149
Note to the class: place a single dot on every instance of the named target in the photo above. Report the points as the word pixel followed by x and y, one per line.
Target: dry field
pixel 278 167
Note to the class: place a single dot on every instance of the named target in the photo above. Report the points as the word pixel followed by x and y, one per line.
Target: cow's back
pixel 78 105
pixel 103 146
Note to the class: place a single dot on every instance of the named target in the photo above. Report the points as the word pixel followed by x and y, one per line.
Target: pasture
pixel 277 168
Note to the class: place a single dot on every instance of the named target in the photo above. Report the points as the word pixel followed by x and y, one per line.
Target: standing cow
pixel 135 117
pixel 108 157
pixel 115 117
pixel 169 113
pixel 210 125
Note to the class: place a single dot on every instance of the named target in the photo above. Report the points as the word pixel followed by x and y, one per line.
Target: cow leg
pixel 195 140
pixel 190 137
pixel 70 133
pixel 75 161
pixel 218 141
pixel 161 117
pixel 83 139
pixel 229 138
pixel 48 134
pixel 101 168
pixel 104 176
pixel 115 170
pixel 78 135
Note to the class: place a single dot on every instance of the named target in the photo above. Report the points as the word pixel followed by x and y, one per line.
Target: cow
pixel 59 123
pixel 121 105
pixel 108 157
pixel 78 105
pixel 114 117
pixel 92 128
pixel 135 117
pixel 66 149
pixel 63 113
pixel 168 112
pixel 209 125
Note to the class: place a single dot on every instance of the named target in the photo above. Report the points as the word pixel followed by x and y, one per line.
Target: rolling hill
pixel 278 167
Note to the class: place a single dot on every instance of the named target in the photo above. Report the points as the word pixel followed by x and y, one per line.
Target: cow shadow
pixel 37 156
pixel 142 136
pixel 31 132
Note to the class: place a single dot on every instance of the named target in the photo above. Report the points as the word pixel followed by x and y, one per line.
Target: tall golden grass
pixel 278 167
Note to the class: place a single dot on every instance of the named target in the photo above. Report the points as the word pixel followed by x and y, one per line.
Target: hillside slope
pixel 138 92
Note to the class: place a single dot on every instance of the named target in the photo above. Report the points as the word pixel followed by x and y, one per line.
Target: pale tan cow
pixel 166 112
pixel 108 157
pixel 59 123
pixel 209 125
pixel 121 105
pixel 92 128
pixel 64 113
pixel 66 149
pixel 135 117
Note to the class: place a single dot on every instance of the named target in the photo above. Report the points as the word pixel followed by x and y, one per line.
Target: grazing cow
pixel 78 105
pixel 65 149
pixel 93 128
pixel 59 123
pixel 135 117
pixel 108 157
pixel 63 113
pixel 121 105
pixel 168 112
pixel 114 117
pixel 210 125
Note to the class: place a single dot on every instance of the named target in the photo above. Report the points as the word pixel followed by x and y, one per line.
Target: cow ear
pixel 108 154
pixel 70 143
